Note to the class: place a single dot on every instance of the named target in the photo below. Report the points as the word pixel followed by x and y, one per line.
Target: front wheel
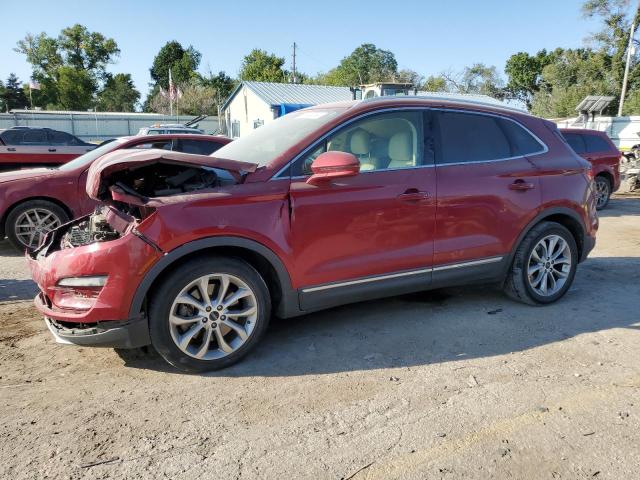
pixel 544 265
pixel 209 313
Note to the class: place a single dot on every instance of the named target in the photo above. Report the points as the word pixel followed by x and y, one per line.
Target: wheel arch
pixel 608 175
pixel 17 203
pixel 564 216
pixel 263 259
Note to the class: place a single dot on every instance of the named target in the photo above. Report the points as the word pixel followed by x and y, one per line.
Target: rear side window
pixel 61 138
pixel 34 137
pixel 468 137
pixel 195 146
pixel 595 143
pixel 522 141
pixel 12 137
pixel 576 142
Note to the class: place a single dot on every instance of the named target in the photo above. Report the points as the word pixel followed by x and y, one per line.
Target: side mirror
pixel 331 165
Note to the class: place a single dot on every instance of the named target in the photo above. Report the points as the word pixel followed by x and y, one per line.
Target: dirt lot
pixel 458 383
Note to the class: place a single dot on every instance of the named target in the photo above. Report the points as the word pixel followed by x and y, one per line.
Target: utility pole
pixel 294 63
pixel 631 49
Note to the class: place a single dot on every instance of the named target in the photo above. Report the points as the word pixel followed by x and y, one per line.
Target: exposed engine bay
pixel 164 179
pixel 93 228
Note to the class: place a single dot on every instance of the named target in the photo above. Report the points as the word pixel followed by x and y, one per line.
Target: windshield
pixel 90 156
pixel 264 144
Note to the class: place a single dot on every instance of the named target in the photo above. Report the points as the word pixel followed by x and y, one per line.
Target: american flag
pixel 172 88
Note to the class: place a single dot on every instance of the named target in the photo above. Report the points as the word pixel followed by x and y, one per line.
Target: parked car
pixel 32 146
pixel 599 150
pixel 169 128
pixel 329 205
pixel 34 201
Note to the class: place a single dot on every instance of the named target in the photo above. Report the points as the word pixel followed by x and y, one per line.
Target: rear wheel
pixel 27 223
pixel 603 191
pixel 544 265
pixel 209 313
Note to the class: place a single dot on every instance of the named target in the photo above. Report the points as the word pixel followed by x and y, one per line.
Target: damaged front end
pixel 89 269
pixel 131 185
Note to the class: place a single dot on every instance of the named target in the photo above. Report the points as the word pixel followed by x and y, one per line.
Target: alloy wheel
pixel 213 316
pixel 549 265
pixel 33 224
pixel 602 192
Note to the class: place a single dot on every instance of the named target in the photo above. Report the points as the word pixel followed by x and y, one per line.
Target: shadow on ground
pixel 12 290
pixel 437 326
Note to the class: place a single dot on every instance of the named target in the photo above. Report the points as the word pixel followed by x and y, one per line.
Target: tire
pixel 19 217
pixel 521 287
pixel 183 285
pixel 603 191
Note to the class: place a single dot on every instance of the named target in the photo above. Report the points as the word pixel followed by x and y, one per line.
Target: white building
pixel 255 103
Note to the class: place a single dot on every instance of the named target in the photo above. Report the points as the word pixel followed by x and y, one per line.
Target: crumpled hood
pixel 100 170
pixel 27 174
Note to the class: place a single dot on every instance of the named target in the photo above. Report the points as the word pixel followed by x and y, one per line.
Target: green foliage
pixel 182 62
pixel 435 83
pixel 477 79
pixel 261 66
pixel 11 95
pixel 75 89
pixel 222 85
pixel 366 64
pixel 70 67
pixel 119 94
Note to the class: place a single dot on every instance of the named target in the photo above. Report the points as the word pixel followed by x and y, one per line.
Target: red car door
pixel 372 232
pixel 487 191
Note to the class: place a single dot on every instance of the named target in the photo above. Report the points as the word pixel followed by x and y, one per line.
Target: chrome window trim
pixel 544 146
pixel 376 278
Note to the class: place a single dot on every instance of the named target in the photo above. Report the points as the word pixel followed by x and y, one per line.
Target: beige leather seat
pixel 401 150
pixel 360 146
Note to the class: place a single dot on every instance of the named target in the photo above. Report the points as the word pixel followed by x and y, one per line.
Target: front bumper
pixel 111 334
pixel 97 316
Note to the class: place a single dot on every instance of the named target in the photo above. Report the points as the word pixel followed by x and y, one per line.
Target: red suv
pixel 604 156
pixel 329 205
pixel 37 200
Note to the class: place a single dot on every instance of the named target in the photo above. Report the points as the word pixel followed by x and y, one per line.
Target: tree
pixel 435 84
pixel 69 68
pixel 407 75
pixel 477 79
pixel 261 66
pixel 222 85
pixel 366 64
pixel 524 73
pixel 195 99
pixel 11 95
pixel 118 94
pixel 183 63
pixel 75 89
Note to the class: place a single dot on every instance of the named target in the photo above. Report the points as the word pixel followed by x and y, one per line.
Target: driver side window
pixel 380 142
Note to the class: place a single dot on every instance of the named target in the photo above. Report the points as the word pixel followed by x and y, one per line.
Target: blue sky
pixel 426 36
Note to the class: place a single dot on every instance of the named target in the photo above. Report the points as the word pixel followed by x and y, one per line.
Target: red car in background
pixel 324 206
pixel 597 148
pixel 37 200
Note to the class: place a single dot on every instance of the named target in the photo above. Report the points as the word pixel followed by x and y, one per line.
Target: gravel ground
pixel 456 383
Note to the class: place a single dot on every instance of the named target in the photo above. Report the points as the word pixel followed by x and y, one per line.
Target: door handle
pixel 521 185
pixel 52 149
pixel 11 149
pixel 413 196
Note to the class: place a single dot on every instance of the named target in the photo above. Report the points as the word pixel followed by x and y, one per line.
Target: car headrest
pixel 360 142
pixel 401 147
